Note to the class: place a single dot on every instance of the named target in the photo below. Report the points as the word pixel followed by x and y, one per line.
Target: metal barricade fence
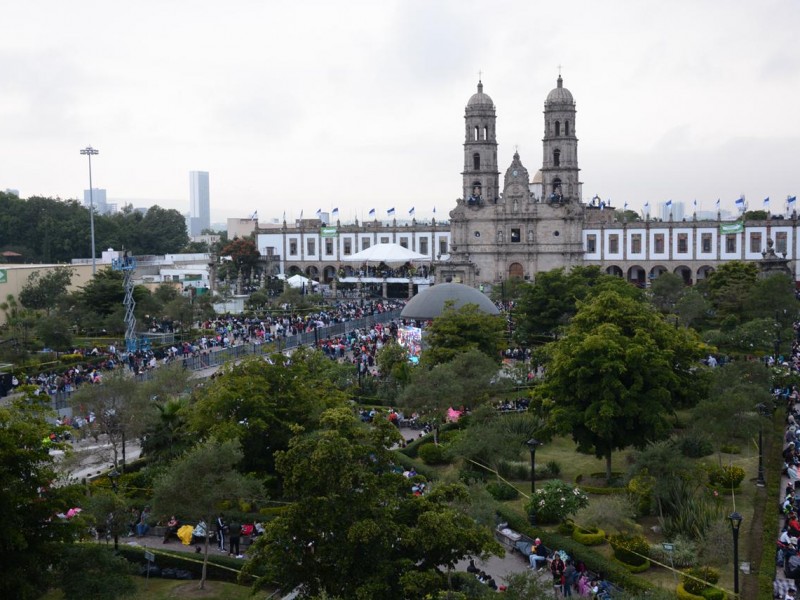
pixel 217 358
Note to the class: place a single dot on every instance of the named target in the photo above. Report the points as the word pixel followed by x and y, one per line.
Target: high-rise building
pixel 199 202
pixel 96 196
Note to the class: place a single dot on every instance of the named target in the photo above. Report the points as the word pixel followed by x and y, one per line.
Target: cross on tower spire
pixel 479 75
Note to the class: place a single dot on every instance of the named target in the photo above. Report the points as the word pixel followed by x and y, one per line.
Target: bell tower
pixel 560 184
pixel 481 177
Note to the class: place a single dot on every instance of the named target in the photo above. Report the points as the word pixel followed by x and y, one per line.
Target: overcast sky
pixel 299 105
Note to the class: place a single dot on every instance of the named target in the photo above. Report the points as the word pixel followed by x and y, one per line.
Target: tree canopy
pixel 31 536
pixel 459 330
pixel 350 507
pixel 262 403
pixel 616 375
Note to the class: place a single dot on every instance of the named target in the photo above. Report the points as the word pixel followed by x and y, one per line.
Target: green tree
pixel 261 402
pixel 467 378
pixel 32 537
pixel 729 288
pixel 617 374
pixel 54 332
pixel 728 414
pixel 44 291
pixel 457 331
pixel 546 307
pixel 244 255
pixel 352 509
pixel 211 469
pixel 122 411
pixel 92 571
pixel 162 231
pixel 666 291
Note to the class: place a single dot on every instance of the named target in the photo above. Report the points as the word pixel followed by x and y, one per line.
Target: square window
pixel 781 242
pixel 404 242
pixel 423 246
pixel 705 242
pixel 384 239
pixel 348 246
pixel 613 243
pixel 755 241
pixel 683 243
pixel 636 243
pixel 292 247
pixel 364 243
pixel 442 246
pixel 515 236
pixel 311 246
pixel 328 246
pixel 730 243
pixel 591 243
pixel 658 243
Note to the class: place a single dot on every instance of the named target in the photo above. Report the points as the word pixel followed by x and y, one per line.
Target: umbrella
pixel 72 512
pixel 185 534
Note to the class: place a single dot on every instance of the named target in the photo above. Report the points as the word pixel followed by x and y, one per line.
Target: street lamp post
pixel 736 522
pixel 762 412
pixel 89 152
pixel 114 476
pixel 532 444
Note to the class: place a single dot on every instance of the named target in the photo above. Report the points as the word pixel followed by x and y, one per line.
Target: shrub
pixel 730 449
pixel 695 446
pixel 431 454
pixel 501 491
pixel 552 469
pixel 706 575
pixel 630 549
pixel 470 476
pixel 589 536
pixel 683 555
pixel 566 527
pixel 513 470
pixel 726 477
pixel 554 501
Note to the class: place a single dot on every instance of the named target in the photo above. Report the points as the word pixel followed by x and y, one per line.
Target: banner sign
pixel 328 232
pixel 727 228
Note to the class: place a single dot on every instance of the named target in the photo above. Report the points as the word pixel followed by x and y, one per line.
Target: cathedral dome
pixel 480 99
pixel 560 94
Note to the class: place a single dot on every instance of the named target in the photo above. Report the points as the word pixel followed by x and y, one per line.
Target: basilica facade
pixel 518 225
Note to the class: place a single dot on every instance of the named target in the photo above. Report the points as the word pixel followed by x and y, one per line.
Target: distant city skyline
pixel 355 105
pixel 199 202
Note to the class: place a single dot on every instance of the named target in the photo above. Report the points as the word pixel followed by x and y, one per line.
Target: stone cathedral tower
pixel 515 234
pixel 481 177
pixel 560 157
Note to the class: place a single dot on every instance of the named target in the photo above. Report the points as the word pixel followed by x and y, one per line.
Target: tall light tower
pixel 89 151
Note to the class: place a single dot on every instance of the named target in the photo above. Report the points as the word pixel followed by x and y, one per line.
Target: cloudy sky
pixel 300 105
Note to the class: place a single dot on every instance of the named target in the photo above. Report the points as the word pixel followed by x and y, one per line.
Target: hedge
pixel 684 595
pixel 634 568
pixel 594 561
pixel 220 568
pixel 407 462
pixel 413 448
pixel 588 537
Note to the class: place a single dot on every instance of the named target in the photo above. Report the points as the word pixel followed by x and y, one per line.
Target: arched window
pixel 566 127
pixel 476 161
pixel 476 133
pixel 556 157
pixel 485 133
pixel 558 128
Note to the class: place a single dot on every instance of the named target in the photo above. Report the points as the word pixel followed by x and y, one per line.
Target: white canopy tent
pixel 393 255
pixel 297 281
